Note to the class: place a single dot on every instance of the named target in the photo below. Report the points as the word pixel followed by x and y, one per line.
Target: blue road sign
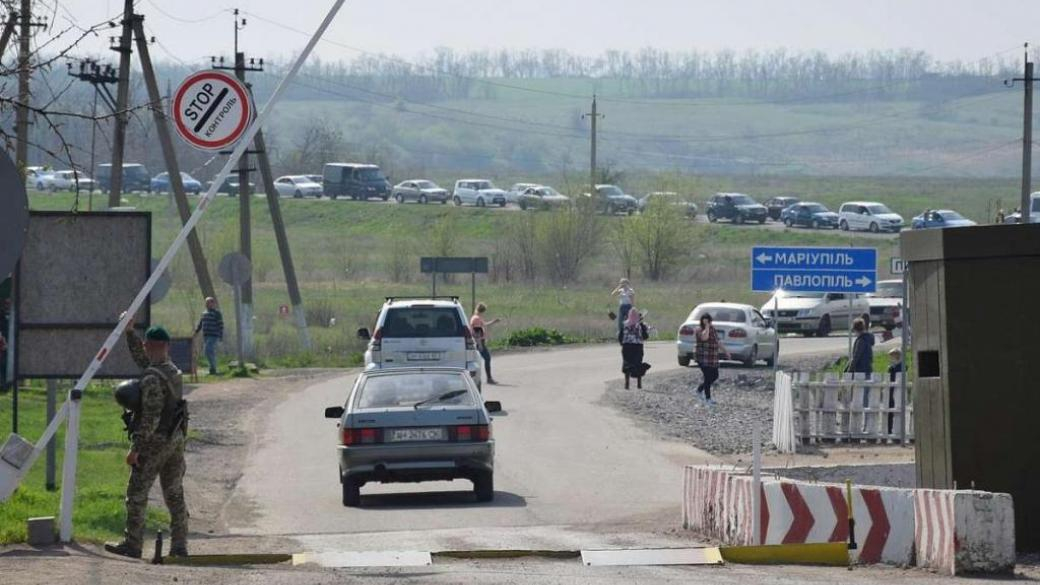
pixel 825 270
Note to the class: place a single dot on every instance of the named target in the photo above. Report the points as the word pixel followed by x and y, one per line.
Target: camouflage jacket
pixel 161 389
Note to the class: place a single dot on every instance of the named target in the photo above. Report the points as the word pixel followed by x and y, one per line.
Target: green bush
pixel 536 336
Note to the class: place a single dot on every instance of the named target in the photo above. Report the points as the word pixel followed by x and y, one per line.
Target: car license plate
pixel 419 434
pixel 428 356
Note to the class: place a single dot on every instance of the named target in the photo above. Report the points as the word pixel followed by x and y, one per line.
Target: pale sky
pixel 949 29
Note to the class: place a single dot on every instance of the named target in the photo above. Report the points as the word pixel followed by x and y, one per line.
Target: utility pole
pixel 124 48
pixel 592 162
pixel 100 77
pixel 1027 136
pixel 274 207
pixel 25 25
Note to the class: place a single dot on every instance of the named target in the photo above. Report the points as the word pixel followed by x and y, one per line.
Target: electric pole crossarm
pixel 173 170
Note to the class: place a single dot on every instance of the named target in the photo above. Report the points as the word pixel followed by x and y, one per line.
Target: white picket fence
pixel 813 408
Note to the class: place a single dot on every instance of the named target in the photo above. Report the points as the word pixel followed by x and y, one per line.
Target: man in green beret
pixel 157 443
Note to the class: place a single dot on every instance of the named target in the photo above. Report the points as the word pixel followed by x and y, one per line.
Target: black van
pixel 135 178
pixel 357 181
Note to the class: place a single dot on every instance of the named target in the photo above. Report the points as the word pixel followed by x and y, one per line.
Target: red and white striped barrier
pixel 964 531
pixel 946 530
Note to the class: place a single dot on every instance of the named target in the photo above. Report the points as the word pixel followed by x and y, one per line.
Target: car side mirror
pixel 493 406
pixel 363 334
pixel 334 412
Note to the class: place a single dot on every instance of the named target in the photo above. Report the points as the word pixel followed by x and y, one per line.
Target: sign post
pixel 455 265
pixel 848 271
pixel 235 269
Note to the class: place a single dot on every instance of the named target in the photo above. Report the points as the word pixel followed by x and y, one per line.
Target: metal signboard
pixel 817 270
pixel 896 265
pixel 453 265
pixel 211 110
pixel 77 273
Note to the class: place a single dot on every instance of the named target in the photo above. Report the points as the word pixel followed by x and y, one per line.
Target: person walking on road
pixel 626 299
pixel 706 353
pixel 157 443
pixel 481 336
pixel 211 325
pixel 633 333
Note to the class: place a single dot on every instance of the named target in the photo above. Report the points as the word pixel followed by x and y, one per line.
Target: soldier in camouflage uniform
pixel 157 447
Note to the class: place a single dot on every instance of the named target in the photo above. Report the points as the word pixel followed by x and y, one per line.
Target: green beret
pixel 157 333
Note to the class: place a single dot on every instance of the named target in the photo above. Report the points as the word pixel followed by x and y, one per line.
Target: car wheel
pixel 752 358
pixel 484 486
pixel 399 198
pixel 816 224
pixel 761 221
pixel 523 206
pixel 739 219
pixel 874 228
pixel 422 199
pixel 844 225
pixel 333 196
pixel 351 493
pixel 788 222
pixel 444 201
pixel 480 202
pixel 771 361
pixel 298 194
pixel 824 328
pixel 684 361
pixel 501 203
pixel 457 201
pixel 711 217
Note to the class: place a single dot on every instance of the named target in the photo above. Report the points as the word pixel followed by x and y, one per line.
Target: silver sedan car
pixel 413 425
pixel 745 333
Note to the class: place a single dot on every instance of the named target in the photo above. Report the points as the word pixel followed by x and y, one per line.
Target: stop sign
pixel 211 109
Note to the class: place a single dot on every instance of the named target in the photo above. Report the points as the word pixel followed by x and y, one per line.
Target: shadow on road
pixel 431 500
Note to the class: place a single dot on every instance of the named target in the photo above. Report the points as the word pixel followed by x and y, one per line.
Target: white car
pixel 745 333
pixel 886 304
pixel 297 186
pixel 68 181
pixel 514 192
pixel 37 177
pixel 479 192
pixel 422 332
pixel 868 215
pixel 814 313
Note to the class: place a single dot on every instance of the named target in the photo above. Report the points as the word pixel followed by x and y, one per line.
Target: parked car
pixel 69 181
pixel 135 177
pixel 745 333
pixel 161 183
pixel 479 192
pixel 422 332
pixel 541 197
pixel 419 190
pixel 297 186
pixel 413 425
pixel 886 304
pixel 36 177
pixel 610 199
pixel 683 204
pixel 813 313
pixel 316 179
pixel 776 205
pixel 357 181
pixel 514 192
pixel 809 214
pixel 230 186
pixel 868 215
pixel 736 207
pixel 940 218
pixel 1034 211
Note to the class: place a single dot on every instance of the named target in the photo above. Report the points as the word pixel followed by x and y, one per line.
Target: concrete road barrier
pixel 949 531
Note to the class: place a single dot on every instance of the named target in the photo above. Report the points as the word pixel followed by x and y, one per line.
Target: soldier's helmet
pixel 128 395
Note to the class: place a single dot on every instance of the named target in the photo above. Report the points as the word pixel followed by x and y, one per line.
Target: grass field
pixel 343 251
pixel 102 473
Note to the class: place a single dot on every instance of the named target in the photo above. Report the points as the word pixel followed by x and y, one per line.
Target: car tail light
pixel 687 330
pixel 377 340
pixel 362 436
pixel 470 344
pixel 737 333
pixel 468 433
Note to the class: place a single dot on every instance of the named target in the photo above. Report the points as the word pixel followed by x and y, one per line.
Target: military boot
pixel 123 549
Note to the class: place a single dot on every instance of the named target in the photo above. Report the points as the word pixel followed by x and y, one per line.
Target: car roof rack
pixel 423 298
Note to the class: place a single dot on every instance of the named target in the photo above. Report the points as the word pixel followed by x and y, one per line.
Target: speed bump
pixel 835 554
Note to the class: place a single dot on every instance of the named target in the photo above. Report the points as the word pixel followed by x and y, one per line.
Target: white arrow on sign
pixel 764 258
pixel 863 281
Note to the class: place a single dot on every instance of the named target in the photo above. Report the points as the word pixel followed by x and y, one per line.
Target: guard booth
pixel 974 294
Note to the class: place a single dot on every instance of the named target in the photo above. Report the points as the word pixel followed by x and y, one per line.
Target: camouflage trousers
pixel 165 461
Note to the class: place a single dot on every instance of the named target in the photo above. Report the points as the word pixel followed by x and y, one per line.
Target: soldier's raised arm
pixel 135 344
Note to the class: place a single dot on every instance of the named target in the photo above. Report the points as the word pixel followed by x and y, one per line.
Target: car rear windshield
pixel 950 215
pixel 409 389
pixel 889 290
pixel 723 314
pixel 425 185
pixel 610 191
pixel 423 322
pixel 742 200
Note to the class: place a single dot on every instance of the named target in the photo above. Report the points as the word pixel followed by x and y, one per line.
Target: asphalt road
pixel 570 472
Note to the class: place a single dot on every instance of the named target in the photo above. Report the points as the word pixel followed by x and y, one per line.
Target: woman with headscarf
pixel 633 334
